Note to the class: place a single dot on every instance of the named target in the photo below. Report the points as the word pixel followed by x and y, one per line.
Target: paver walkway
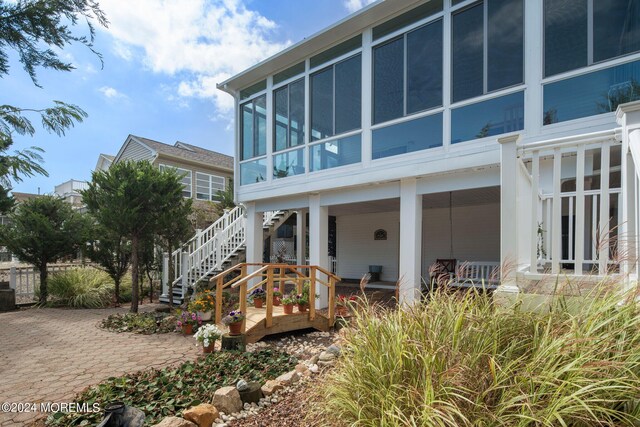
pixel 49 355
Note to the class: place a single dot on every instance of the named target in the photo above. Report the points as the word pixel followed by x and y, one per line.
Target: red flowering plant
pixel 345 301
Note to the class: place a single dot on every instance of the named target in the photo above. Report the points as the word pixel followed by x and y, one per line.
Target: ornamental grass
pixel 461 360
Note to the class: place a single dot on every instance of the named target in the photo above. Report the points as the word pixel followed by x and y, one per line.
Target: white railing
pixel 333 261
pixel 588 234
pixel 25 280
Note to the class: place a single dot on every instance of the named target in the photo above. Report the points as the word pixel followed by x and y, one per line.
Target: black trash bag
pixel 117 414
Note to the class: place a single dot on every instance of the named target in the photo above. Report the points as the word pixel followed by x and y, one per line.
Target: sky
pixel 161 60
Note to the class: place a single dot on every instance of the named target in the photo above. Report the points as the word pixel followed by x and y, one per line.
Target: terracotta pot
pixel 288 308
pixel 206 315
pixel 257 302
pixel 302 308
pixel 276 301
pixel 187 329
pixel 209 348
pixel 235 328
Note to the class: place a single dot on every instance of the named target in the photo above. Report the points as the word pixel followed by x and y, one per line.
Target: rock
pixel 334 349
pixel 289 378
pixel 203 415
pixel 325 356
pixel 302 369
pixel 314 368
pixel 328 363
pixel 175 422
pixel 253 393
pixel 242 385
pixel 314 359
pixel 227 400
pixel 271 387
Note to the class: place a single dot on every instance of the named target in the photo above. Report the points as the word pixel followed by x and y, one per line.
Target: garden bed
pixel 140 323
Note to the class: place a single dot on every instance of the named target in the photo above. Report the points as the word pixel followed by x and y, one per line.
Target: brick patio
pixel 49 355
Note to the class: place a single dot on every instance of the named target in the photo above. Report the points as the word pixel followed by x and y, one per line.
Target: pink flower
pixel 179 324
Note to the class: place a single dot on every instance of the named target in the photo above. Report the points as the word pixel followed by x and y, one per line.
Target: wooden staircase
pixel 269 320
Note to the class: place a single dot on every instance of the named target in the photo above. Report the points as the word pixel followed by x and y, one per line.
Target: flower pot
pixel 302 308
pixel 342 311
pixel 276 301
pixel 206 315
pixel 257 302
pixel 187 329
pixel 288 308
pixel 209 348
pixel 235 328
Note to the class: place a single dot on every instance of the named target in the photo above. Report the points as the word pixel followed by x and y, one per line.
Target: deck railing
pixel 271 276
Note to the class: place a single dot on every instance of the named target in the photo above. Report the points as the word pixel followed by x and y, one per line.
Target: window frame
pixel 287 84
pixel 209 176
pixel 256 139
pixel 183 173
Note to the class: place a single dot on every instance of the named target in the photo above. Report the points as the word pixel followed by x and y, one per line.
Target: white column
pixel 319 243
pixel 269 135
pixel 556 220
pixel 508 212
pixel 254 234
pixel 367 78
pixel 410 242
pixel 165 274
pixel 301 236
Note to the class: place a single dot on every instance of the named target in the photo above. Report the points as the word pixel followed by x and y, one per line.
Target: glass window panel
pixel 340 152
pixel 348 94
pixel 261 125
pixel 565 35
pixel 406 137
pixel 336 51
pixel 388 81
pixel 288 73
pixel 296 113
pixel 424 68
pixel 468 53
pixel 252 172
pixel 493 117
pixel 247 131
pixel 322 104
pixel 185 178
pixel 591 94
pixel 616 28
pixel 505 43
pixel 288 164
pixel 252 90
pixel 281 101
pixel 414 15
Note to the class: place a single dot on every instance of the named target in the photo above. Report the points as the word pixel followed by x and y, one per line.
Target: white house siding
pixel 357 249
pixel 136 152
pixel 476 234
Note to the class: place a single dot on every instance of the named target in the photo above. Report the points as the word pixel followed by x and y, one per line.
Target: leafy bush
pixel 160 393
pixel 140 323
pixel 81 288
pixel 462 361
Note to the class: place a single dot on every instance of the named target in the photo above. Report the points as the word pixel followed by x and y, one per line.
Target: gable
pixel 134 151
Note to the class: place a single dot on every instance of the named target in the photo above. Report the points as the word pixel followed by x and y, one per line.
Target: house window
pixel 289 163
pixel 254 128
pixel 186 178
pixel 336 99
pixel 487 48
pixel 578 33
pixel 339 152
pixel 407 73
pixel 591 94
pixel 408 136
pixel 253 171
pixel 207 186
pixel 288 104
pixel 488 118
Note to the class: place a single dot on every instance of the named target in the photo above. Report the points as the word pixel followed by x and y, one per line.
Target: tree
pixel 112 252
pixel 38 30
pixel 41 231
pixel 225 199
pixel 131 199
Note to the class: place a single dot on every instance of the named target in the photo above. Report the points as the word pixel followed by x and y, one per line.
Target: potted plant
pixel 186 321
pixel 302 301
pixel 204 303
pixel 287 304
pixel 343 304
pixel 257 296
pixel 234 321
pixel 277 296
pixel 207 336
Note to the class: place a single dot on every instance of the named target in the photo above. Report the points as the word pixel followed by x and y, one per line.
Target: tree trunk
pixel 117 292
pixel 134 275
pixel 150 285
pixel 171 275
pixel 43 284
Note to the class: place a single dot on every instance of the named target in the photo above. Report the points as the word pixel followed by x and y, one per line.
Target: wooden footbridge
pixel 270 319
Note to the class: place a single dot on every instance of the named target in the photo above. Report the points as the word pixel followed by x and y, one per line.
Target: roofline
pixel 126 142
pixel 178 159
pixel 339 31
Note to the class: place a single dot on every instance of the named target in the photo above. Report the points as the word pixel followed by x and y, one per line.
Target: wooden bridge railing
pixel 270 274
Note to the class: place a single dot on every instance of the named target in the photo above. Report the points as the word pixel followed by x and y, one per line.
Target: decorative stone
pixel 289 378
pixel 253 393
pixel 334 349
pixel 175 422
pixel 326 357
pixel 203 415
pixel 242 385
pixel 271 387
pixel 227 400
pixel 302 369
pixel 314 368
pixel 234 342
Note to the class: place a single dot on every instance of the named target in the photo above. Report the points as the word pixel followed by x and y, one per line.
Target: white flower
pixel 207 334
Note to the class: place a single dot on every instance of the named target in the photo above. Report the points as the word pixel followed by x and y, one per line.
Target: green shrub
pixel 140 323
pixel 462 361
pixel 81 288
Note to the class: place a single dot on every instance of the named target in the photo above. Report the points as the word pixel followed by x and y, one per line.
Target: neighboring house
pixel 70 192
pixel 204 172
pixel 482 131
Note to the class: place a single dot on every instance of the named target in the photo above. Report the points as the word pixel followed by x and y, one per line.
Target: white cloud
pixel 201 42
pixel 354 5
pixel 111 93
